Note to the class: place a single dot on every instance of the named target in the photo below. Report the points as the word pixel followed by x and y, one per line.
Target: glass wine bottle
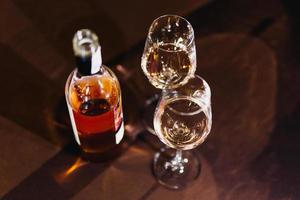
pixel 93 97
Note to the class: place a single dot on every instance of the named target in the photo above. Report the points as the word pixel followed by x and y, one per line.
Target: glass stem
pixel 178 156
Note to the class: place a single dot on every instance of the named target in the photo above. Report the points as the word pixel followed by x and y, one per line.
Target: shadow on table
pixel 29 95
pixel 242 76
pixel 35 103
pixel 59 178
pixel 278 165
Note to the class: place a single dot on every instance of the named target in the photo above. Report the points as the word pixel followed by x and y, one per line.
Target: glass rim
pixel 171 15
pixel 187 113
pixel 166 92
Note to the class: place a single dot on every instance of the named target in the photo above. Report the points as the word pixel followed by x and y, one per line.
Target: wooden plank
pixel 204 187
pixel 131 177
pixel 20 34
pixel 44 38
pixel 235 16
pixel 21 154
pixel 63 175
pixel 242 76
pixel 283 38
pixel 278 166
pixel 31 99
pixel 127 178
pixel 12 20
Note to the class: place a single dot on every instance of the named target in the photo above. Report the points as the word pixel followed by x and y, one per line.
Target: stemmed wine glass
pixel 182 121
pixel 182 118
pixel 169 58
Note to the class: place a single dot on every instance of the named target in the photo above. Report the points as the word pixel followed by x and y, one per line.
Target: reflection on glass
pixel 169 57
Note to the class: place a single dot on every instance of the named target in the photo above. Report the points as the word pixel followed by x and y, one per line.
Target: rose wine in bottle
pixel 93 97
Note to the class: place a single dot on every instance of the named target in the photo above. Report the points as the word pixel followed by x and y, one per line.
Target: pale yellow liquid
pixel 182 122
pixel 168 65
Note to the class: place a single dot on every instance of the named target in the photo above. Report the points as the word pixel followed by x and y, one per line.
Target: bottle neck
pixel 89 64
pixel 87 52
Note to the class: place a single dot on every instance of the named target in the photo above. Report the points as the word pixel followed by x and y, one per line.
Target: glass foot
pixel 175 172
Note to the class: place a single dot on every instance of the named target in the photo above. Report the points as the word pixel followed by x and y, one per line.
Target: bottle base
pixel 103 156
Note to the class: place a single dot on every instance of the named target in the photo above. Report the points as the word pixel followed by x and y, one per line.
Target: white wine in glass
pixel 169 57
pixel 182 121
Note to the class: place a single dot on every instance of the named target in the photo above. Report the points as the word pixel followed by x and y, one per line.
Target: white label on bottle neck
pixel 96 61
pixel 71 114
pixel 120 133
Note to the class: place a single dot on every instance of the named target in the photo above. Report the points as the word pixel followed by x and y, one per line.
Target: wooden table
pixel 248 51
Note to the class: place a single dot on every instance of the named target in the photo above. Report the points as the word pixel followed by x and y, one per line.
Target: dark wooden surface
pixel 248 51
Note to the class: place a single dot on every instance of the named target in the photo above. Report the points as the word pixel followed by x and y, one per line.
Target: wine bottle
pixel 93 97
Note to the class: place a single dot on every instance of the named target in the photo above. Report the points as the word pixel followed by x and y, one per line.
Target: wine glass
pixel 169 57
pixel 182 121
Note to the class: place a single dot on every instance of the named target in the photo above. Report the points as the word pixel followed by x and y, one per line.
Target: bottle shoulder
pixel 104 73
pixel 100 86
